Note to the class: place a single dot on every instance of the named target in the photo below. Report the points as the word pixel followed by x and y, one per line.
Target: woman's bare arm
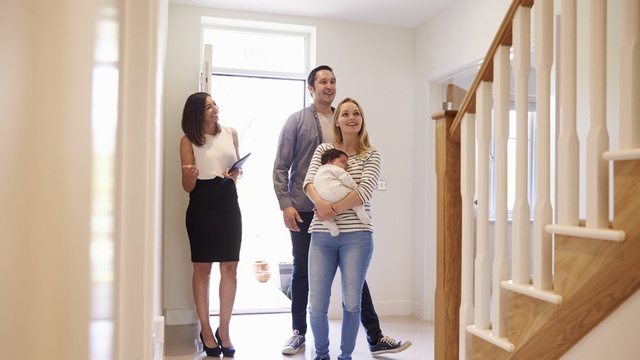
pixel 189 169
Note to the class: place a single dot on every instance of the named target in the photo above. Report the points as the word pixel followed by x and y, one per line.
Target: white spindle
pixel 630 77
pixel 521 211
pixel 542 211
pixel 482 262
pixel 598 138
pixel 467 190
pixel 568 156
pixel 501 100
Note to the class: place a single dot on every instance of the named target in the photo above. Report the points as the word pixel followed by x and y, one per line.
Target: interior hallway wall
pixel 373 64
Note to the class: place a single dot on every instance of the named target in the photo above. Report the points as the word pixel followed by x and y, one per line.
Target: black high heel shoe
pixel 215 352
pixel 227 352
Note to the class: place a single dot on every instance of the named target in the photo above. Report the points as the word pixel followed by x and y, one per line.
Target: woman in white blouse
pixel 213 219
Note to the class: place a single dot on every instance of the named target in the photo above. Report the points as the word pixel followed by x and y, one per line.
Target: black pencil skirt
pixel 214 222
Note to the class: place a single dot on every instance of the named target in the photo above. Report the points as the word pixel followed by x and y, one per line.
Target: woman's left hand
pixel 234 174
pixel 324 210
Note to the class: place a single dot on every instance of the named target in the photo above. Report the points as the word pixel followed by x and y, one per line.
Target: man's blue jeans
pixel 300 241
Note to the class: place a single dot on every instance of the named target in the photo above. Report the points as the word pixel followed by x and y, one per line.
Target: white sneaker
pixel 293 345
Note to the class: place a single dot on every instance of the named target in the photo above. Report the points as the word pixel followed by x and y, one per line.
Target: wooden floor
pixel 261 336
pixel 262 323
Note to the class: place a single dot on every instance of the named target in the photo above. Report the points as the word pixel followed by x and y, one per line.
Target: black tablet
pixel 238 164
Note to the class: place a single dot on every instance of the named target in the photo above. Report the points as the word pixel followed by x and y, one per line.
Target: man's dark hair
pixel 331 154
pixel 311 80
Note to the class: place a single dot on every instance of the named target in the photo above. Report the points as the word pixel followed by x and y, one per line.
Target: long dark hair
pixel 193 118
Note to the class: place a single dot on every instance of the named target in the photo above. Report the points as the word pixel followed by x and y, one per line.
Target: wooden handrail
pixel 485 73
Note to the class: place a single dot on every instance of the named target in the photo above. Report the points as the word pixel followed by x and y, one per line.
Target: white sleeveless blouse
pixel 216 155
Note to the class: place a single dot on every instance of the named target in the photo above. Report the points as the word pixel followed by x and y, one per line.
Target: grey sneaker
pixel 293 345
pixel 388 345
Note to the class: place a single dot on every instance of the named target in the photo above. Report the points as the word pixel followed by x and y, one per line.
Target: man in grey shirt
pixel 303 131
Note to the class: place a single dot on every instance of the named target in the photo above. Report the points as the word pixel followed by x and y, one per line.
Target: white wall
pixel 373 64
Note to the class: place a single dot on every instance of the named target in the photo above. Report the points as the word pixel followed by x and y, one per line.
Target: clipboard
pixel 237 165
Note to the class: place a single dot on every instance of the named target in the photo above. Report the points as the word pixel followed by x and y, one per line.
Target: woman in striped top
pixel 351 250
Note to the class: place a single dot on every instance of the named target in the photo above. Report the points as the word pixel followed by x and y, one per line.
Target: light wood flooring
pixel 261 336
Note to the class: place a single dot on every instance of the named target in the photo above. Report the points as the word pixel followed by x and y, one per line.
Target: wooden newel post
pixel 449 239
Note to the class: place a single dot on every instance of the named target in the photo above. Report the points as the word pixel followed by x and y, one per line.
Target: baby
pixel 332 183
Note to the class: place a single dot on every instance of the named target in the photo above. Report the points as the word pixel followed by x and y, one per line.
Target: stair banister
pixel 482 262
pixel 543 57
pixel 520 265
pixel 567 193
pixel 467 190
pixel 597 193
pixel 501 107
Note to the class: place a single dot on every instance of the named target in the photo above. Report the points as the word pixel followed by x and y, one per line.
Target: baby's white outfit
pixel 333 183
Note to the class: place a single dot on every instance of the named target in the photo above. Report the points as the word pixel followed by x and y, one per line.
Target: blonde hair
pixel 362 141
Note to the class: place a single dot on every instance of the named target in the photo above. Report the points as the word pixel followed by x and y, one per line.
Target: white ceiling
pixel 403 13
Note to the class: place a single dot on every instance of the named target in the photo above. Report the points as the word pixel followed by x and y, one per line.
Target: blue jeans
pixel 300 241
pixel 351 253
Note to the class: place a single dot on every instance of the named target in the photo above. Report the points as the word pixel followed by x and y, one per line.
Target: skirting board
pixel 180 317
pixel 189 316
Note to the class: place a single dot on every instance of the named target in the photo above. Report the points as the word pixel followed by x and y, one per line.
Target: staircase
pixel 537 291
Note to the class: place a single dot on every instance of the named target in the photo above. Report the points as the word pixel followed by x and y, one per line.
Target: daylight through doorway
pixel 257 107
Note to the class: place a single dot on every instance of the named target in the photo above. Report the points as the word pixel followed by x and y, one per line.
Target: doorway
pixel 257 107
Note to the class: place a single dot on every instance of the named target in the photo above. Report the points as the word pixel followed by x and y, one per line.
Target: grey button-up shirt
pixel 300 136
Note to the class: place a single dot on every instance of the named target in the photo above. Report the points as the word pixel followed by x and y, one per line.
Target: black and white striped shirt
pixel 365 171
